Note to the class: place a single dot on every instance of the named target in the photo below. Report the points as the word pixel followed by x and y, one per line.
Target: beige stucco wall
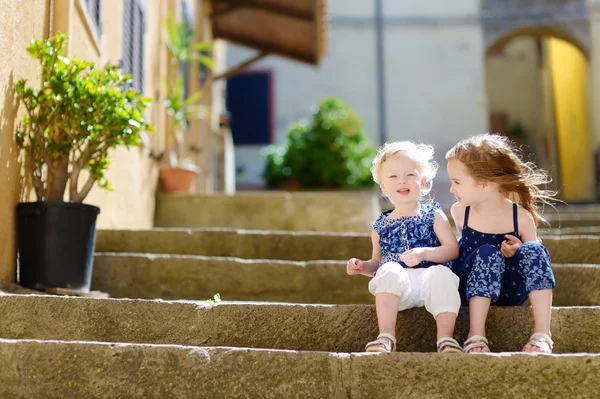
pixel 514 86
pixel 513 82
pixel 21 21
pixel 83 43
pixel 594 73
pixel 132 172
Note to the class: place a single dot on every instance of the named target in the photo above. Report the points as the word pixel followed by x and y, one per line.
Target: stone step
pixel 58 369
pixel 573 219
pixel 572 208
pixel 200 277
pixel 334 211
pixel 329 328
pixel 572 231
pixel 299 246
pixel 270 210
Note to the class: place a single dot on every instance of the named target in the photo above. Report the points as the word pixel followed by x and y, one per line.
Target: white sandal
pixel 448 345
pixel 476 341
pixel 383 344
pixel 542 341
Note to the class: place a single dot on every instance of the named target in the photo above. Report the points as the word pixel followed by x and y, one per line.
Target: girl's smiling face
pixel 464 187
pixel 401 180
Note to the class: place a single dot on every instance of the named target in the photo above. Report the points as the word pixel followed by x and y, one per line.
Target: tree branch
pixel 36 180
pixel 80 196
pixel 59 181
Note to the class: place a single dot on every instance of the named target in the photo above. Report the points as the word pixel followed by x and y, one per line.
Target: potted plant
pixel 71 123
pixel 332 152
pixel 179 175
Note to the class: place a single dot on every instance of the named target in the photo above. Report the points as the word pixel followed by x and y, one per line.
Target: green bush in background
pixel 333 151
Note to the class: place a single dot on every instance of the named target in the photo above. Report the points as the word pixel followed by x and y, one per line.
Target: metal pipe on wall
pixel 380 71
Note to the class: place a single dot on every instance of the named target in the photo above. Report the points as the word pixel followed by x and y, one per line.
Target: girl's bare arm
pixel 527 228
pixel 458 214
pixel 448 250
pixel 371 265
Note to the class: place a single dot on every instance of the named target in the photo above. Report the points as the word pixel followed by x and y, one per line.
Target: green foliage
pixel 215 300
pixel 74 119
pixel 181 108
pixel 331 152
pixel 516 131
pixel 179 42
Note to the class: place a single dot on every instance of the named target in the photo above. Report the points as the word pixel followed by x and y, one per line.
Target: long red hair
pixel 494 158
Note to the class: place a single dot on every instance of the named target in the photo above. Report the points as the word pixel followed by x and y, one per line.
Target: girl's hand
pixel 413 257
pixel 510 246
pixel 354 266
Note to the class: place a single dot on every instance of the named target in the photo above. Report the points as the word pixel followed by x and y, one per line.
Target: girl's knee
pixel 439 290
pixel 534 261
pixel 440 276
pixel 486 266
pixel 390 278
pixel 533 250
pixel 487 259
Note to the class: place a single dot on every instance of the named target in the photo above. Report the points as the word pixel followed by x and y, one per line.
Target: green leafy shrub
pixel 181 106
pixel 71 122
pixel 333 151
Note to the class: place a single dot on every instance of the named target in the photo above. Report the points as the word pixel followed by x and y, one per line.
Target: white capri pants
pixel 435 287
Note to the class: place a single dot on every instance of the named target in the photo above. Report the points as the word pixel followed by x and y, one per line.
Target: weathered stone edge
pixel 31 368
pixel 300 246
pixel 199 277
pixel 331 328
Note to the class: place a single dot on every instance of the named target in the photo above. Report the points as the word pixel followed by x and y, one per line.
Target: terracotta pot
pixel 177 180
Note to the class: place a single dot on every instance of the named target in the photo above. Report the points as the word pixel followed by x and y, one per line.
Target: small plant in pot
pixel 179 175
pixel 71 122
pixel 333 151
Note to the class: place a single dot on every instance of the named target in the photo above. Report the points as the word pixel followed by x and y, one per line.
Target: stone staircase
pixel 293 324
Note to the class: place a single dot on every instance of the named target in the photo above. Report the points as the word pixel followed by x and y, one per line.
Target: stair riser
pixel 199 278
pixel 295 246
pixel 86 370
pixel 310 327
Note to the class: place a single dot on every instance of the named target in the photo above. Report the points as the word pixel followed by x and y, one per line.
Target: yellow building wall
pixel 568 68
pixel 20 21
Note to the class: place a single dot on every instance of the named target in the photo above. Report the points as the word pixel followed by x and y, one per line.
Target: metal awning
pixel 291 28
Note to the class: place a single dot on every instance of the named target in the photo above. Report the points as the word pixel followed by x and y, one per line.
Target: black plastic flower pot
pixel 55 243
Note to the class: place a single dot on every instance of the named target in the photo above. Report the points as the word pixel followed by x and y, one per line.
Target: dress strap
pixel 515 217
pixel 466 216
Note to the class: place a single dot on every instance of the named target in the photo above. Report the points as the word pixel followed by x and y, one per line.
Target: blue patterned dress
pixel 407 232
pixel 485 272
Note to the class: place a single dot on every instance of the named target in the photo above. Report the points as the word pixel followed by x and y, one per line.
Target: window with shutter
pixel 93 8
pixel 133 42
pixel 184 68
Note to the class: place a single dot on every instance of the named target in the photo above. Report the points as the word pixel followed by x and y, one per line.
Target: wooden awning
pixel 291 28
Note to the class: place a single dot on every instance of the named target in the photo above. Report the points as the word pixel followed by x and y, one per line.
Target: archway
pixel 537 87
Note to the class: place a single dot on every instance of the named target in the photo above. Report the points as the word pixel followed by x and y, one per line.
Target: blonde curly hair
pixel 421 153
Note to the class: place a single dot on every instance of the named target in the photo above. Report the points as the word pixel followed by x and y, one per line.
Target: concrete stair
pixel 296 246
pixel 327 328
pixel 61 369
pixel 82 348
pixel 56 347
pixel 195 277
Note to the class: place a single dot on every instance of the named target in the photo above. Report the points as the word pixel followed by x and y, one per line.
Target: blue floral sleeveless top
pixel 407 232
